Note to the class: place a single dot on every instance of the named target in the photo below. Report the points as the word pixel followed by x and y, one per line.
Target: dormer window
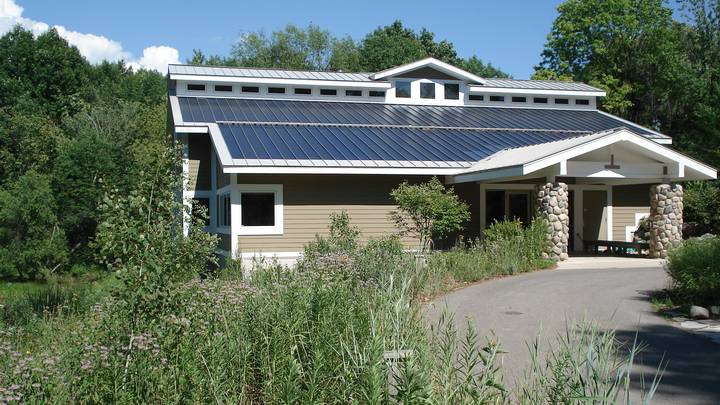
pixel 353 93
pixel 582 101
pixel 452 91
pixel 519 99
pixel 328 92
pixel 250 89
pixel 276 90
pixel 402 89
pixel 375 93
pixel 196 87
pixel 303 91
pixel 427 90
pixel 499 99
pixel 223 88
pixel 561 101
pixel 476 97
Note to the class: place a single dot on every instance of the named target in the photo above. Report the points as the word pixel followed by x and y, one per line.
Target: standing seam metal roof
pixel 444 147
pixel 198 110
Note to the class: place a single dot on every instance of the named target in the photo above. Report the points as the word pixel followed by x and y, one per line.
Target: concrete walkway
pixel 613 291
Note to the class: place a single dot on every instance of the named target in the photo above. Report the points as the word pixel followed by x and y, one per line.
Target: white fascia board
pixel 618 136
pixel 175 109
pixel 432 63
pixel 222 151
pixel 191 129
pixel 279 81
pixel 506 90
pixel 341 170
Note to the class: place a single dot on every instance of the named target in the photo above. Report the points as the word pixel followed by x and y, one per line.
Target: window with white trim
pixel 223 210
pixel 261 209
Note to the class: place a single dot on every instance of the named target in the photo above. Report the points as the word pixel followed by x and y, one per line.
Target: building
pixel 272 153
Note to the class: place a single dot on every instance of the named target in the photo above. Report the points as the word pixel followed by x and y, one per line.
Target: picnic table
pixel 614 248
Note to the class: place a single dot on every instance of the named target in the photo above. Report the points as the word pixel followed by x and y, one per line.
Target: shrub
pixel 694 267
pixel 30 239
pixel 508 248
pixel 428 211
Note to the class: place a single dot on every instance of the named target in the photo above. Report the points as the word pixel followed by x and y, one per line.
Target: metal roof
pixel 338 146
pixel 538 85
pixel 208 110
pixel 265 73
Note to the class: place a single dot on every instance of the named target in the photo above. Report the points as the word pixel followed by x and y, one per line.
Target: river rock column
pixel 666 218
pixel 552 203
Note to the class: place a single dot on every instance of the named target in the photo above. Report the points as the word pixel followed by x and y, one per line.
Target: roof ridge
pixel 348 125
pixel 267 68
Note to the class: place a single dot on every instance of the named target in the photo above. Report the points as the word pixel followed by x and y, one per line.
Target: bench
pixel 616 247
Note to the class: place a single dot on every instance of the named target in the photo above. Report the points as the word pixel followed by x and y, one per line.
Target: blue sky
pixel 510 34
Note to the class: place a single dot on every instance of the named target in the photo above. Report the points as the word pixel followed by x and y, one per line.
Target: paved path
pixel 612 292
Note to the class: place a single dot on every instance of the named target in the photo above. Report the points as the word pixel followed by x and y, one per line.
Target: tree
pixel 390 46
pixel 428 211
pixel 30 239
pixel 476 66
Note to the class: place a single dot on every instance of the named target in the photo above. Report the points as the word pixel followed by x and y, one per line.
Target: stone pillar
pixel 552 203
pixel 666 218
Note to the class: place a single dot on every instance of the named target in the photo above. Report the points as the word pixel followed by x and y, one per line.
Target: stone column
pixel 552 203
pixel 666 218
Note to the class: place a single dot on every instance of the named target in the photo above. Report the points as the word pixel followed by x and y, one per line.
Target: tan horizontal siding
pixel 627 201
pixel 309 200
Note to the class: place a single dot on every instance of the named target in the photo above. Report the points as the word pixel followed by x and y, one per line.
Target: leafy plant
pixel 428 211
pixel 30 239
pixel 694 267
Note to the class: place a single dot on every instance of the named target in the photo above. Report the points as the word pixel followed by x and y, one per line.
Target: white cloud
pixel 95 48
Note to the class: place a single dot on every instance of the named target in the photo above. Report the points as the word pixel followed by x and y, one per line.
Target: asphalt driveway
pixel 517 308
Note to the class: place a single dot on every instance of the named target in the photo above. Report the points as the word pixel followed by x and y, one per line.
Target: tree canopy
pixel 313 48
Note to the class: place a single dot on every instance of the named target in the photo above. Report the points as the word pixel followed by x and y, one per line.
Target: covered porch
pixel 592 190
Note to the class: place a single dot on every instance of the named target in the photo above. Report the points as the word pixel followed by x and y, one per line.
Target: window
pixel 353 93
pixel 375 93
pixel 582 101
pixel 261 209
pixel 196 87
pixel 276 90
pixel 561 101
pixel 303 91
pixel 476 97
pixel 328 92
pixel 223 210
pixel 516 99
pixel 427 90
pixel 402 89
pixel 201 205
pixel 250 89
pixel 452 91
pixel 497 98
pixel 258 209
pixel 223 87
pixel 540 100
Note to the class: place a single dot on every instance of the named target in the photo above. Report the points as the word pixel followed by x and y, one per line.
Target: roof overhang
pixel 431 63
pixel 547 159
pixel 555 159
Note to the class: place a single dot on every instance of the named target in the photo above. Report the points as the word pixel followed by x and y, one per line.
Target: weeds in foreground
pixel 342 327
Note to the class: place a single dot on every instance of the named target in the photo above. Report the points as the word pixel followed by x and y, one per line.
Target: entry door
pixel 518 206
pixel 594 215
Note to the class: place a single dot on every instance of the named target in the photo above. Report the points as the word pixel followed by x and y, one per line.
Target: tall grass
pixel 342 327
pixel 508 248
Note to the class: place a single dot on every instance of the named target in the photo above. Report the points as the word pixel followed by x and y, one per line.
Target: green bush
pixel 30 239
pixel 694 267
